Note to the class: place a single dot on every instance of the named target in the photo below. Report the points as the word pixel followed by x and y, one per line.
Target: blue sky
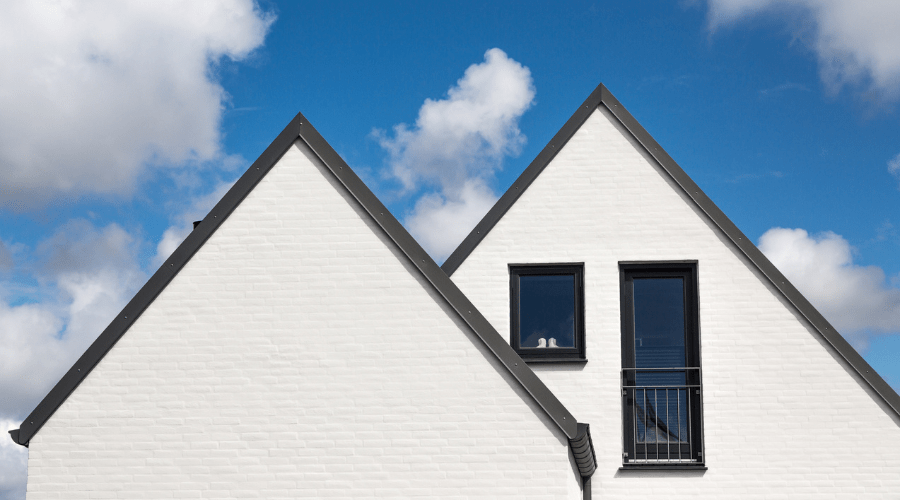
pixel 121 123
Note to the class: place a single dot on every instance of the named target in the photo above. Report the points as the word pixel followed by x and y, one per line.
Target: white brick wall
pixel 299 355
pixel 783 416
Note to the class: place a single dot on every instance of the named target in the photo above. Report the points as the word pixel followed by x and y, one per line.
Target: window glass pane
pixel 659 342
pixel 546 311
pixel 659 328
pixel 661 418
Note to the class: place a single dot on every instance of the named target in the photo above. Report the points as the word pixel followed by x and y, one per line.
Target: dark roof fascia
pixel 155 285
pixel 521 184
pixel 602 96
pixel 442 283
pixel 298 128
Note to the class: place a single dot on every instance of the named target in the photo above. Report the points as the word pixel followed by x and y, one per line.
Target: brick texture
pixel 299 355
pixel 783 415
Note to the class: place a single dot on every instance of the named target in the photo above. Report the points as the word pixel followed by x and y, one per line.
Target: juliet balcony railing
pixel 662 410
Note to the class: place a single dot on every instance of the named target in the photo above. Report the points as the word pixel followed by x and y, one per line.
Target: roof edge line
pixel 439 280
pixel 157 282
pixel 602 96
pixel 518 187
pixel 800 303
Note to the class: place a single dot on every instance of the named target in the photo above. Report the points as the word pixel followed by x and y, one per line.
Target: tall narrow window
pixel 547 311
pixel 661 378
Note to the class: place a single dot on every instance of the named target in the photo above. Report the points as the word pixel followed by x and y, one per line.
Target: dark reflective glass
pixel 659 342
pixel 659 328
pixel 546 311
pixel 661 415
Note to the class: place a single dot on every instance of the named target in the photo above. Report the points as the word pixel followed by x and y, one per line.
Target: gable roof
pixel 300 129
pixel 602 97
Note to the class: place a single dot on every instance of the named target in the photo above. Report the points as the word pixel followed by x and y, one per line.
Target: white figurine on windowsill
pixel 542 343
pixel 552 342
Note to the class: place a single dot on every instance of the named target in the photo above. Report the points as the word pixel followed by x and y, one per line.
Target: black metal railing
pixel 662 415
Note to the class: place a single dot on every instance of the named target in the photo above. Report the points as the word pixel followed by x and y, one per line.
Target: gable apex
pixel 601 96
pixel 299 129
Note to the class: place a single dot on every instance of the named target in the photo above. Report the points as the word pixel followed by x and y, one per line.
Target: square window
pixel 547 311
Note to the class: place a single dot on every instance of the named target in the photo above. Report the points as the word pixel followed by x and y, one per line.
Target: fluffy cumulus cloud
pixel 456 145
pixel 857 42
pixel 83 276
pixel 439 224
pixel 857 300
pixel 13 463
pixel 94 93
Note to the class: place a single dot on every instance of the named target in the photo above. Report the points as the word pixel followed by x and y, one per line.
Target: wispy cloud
pixel 776 174
pixel 784 87
pixel 886 231
pixel 6 259
pixel 96 93
pixel 455 147
pixel 857 43
pixel 894 166
pixel 858 300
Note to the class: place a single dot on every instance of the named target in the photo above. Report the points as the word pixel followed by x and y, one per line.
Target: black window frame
pixel 636 455
pixel 545 355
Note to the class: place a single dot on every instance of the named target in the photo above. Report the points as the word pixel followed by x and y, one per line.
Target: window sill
pixel 553 360
pixel 645 467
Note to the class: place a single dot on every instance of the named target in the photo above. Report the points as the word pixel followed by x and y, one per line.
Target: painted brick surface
pixel 784 417
pixel 299 355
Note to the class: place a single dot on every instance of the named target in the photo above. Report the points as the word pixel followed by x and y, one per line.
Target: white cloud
pixel 13 463
pixel 468 133
pixel 94 93
pixel 87 274
pixel 857 300
pixel 894 166
pixel 440 225
pixel 6 260
pixel 29 335
pixel 856 42
pixel 457 144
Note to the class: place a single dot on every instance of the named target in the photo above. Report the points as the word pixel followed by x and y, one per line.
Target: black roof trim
pixel 160 279
pixel 298 128
pixel 15 437
pixel 521 184
pixel 602 96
